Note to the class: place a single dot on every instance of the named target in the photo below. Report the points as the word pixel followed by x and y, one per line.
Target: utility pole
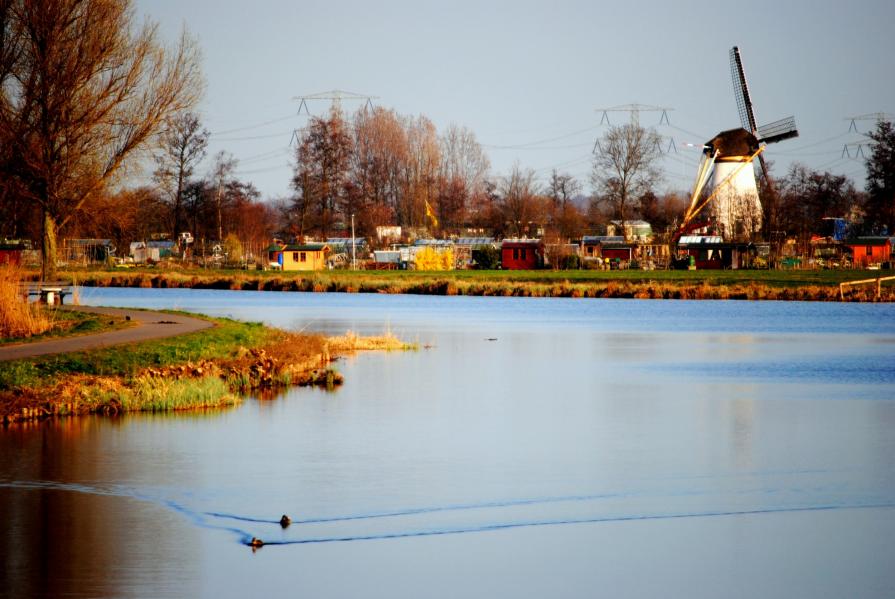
pixel 353 246
pixel 218 202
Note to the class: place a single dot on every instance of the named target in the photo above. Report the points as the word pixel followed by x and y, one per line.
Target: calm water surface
pixel 531 448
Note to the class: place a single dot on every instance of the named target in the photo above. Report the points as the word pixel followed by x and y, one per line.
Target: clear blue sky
pixel 521 72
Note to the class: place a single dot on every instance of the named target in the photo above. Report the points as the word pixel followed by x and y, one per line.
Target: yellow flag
pixel 431 214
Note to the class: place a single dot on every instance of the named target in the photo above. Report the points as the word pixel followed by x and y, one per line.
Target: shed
pixel 592 245
pixel 870 250
pixel 304 256
pixel 11 252
pixel 522 254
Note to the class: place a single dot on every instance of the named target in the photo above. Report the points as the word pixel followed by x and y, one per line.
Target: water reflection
pixel 83 541
pixel 532 440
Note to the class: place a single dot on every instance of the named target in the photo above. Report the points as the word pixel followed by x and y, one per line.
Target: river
pixel 529 448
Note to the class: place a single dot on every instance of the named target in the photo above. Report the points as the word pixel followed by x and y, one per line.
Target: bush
pixel 432 259
pixel 569 262
pixel 486 257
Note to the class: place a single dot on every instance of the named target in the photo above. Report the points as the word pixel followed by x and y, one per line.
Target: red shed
pixel 11 253
pixel 522 254
pixel 870 250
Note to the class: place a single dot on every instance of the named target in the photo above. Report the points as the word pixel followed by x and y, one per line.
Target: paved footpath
pixel 150 325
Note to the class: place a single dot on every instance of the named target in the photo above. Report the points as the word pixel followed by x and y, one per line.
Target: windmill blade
pixel 778 130
pixel 741 91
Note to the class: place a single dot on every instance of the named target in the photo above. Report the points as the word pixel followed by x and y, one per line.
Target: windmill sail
pixel 778 130
pixel 741 91
pixel 768 134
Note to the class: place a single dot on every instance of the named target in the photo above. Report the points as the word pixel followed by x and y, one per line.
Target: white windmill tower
pixel 727 172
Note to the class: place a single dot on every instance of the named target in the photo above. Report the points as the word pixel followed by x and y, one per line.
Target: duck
pixel 285 521
pixel 256 542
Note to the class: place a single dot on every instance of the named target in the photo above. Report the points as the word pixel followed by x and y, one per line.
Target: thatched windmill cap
pixel 732 144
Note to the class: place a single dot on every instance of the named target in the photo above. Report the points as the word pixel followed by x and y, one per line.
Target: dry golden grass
pixel 351 341
pixel 18 317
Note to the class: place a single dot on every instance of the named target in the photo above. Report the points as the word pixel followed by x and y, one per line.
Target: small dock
pixel 877 280
pixel 48 292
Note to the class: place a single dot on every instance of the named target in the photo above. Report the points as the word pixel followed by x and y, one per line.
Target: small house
pixel 303 256
pixel 522 254
pixel 870 250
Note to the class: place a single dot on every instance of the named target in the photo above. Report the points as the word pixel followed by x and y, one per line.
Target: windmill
pixel 727 170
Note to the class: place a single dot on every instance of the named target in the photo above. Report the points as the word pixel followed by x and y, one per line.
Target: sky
pixel 529 77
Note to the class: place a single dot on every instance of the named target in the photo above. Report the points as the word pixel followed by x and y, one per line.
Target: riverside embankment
pixel 807 285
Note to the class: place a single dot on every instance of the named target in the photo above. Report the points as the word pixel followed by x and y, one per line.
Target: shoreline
pixel 210 369
pixel 724 286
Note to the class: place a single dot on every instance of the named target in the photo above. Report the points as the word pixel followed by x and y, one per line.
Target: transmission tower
pixel 873 116
pixel 856 149
pixel 635 110
pixel 336 96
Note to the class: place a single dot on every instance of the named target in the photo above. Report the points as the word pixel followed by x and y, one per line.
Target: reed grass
pixel 18 317
pixel 352 342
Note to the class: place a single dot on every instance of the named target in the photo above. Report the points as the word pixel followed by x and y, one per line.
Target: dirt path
pixel 150 325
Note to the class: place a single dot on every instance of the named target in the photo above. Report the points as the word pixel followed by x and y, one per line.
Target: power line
pixel 253 137
pixel 527 145
pixel 256 126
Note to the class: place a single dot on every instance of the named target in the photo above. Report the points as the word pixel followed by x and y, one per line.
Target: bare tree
pixel 221 176
pixel 183 144
pixel 322 168
pixel 380 152
pixel 562 188
pixel 565 217
pixel 462 173
pixel 420 171
pixel 519 199
pixel 625 166
pixel 83 89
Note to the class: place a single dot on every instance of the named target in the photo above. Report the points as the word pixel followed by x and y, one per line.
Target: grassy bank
pixel 808 285
pixel 208 369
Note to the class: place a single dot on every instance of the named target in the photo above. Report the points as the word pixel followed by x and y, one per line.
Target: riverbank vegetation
pixel 22 321
pixel 805 285
pixel 207 369
pixel 18 318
